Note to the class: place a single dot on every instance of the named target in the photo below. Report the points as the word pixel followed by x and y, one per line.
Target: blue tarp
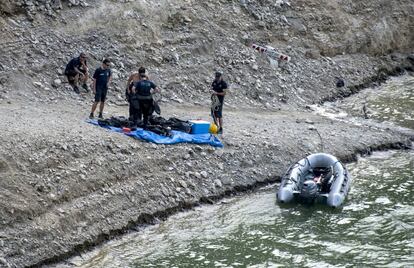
pixel 177 136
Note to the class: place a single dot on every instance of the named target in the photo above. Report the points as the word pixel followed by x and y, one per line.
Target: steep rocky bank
pixel 183 42
pixel 67 185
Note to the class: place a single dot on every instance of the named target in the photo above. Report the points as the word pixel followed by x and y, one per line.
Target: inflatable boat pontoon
pixel 317 178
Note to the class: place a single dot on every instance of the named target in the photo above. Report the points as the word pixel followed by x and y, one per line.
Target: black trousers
pixel 141 109
pixel 135 114
pixel 146 108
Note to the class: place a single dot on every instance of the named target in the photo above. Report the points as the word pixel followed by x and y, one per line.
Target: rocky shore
pixel 67 185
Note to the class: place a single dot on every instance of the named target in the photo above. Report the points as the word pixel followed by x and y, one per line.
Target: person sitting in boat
pixel 322 177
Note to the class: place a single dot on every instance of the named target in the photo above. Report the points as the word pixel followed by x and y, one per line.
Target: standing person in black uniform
pixel 77 71
pixel 133 78
pixel 143 90
pixel 218 91
pixel 101 79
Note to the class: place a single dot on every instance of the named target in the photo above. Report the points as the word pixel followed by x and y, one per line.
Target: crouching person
pixel 143 90
pixel 77 71
pixel 101 79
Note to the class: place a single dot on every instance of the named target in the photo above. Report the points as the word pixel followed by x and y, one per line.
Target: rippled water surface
pixel 374 228
pixel 392 101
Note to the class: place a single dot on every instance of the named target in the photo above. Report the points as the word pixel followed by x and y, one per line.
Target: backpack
pixel 173 123
pixel 180 125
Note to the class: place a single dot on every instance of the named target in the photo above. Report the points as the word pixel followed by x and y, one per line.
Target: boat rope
pixel 215 103
pixel 320 137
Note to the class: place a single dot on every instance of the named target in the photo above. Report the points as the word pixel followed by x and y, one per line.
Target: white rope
pixel 215 103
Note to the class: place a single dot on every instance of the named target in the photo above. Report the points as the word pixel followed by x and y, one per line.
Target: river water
pixel 374 228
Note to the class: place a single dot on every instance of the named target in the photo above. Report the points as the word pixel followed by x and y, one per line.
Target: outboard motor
pixel 309 191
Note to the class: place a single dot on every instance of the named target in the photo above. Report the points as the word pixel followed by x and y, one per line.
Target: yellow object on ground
pixel 213 128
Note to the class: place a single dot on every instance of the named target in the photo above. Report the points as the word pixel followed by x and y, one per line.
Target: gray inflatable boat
pixel 318 178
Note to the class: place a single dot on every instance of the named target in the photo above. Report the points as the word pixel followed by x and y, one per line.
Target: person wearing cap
pixel 133 78
pixel 77 71
pixel 101 79
pixel 218 91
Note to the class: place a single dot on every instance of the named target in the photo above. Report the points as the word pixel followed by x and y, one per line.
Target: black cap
pixel 218 74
